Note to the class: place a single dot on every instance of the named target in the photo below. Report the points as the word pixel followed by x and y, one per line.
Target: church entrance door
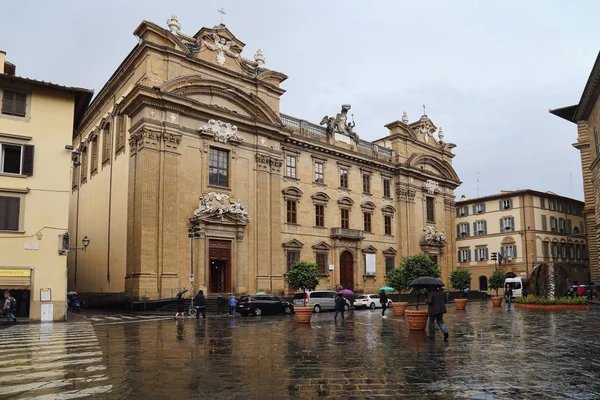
pixel 347 270
pixel 220 266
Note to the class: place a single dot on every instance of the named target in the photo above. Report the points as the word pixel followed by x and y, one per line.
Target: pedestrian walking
pixel 220 304
pixel 508 294
pixel 383 299
pixel 340 306
pixel 436 310
pixel 200 301
pixel 180 306
pixel 232 305
pixel 10 306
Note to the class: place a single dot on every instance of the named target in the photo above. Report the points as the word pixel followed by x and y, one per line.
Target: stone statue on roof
pixel 340 124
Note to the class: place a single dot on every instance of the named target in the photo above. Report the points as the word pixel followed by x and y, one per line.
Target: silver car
pixel 319 300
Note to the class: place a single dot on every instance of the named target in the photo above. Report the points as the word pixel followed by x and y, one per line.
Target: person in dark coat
pixel 383 299
pixel 180 306
pixel 200 301
pixel 220 305
pixel 508 294
pixel 437 308
pixel 340 306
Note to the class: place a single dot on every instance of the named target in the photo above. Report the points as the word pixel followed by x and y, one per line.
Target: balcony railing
pixel 342 233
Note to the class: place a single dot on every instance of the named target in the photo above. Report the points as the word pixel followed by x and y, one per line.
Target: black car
pixel 264 304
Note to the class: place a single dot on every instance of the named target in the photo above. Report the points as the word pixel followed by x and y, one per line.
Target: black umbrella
pixel 182 291
pixel 425 281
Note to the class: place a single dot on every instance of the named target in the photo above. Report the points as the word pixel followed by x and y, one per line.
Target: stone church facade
pixel 187 139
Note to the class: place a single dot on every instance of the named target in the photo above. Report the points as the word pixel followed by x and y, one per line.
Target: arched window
pixel 483 283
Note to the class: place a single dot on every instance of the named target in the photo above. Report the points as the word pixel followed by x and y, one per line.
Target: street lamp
pixel 85 242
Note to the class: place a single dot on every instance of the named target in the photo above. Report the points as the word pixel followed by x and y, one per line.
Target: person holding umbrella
pixel 180 304
pixel 340 304
pixel 436 310
pixel 383 299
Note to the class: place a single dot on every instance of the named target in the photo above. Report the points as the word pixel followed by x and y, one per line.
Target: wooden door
pixel 220 266
pixel 347 270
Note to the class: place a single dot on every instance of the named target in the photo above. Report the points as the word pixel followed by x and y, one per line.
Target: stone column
pixel 277 259
pixel 262 223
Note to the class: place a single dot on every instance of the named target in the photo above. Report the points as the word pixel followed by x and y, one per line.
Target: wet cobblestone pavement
pixel 492 354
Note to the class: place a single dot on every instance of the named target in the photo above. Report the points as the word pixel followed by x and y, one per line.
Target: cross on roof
pixel 223 13
pixel 424 113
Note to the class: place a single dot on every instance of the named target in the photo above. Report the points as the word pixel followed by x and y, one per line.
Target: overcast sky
pixel 487 71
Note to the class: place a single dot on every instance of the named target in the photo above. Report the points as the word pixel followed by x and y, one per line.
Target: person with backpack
pixel 200 305
pixel 232 305
pixel 10 306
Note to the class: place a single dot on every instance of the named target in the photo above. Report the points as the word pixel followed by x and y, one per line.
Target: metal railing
pixel 344 233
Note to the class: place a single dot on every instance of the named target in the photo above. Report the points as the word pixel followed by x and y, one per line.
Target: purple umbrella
pixel 345 291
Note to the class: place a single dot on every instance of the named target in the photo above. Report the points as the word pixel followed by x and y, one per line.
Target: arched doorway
pixel 347 270
pixel 483 283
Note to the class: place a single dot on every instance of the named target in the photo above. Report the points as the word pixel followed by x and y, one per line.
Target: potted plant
pixel 303 276
pixel 410 269
pixel 395 279
pixel 496 281
pixel 460 279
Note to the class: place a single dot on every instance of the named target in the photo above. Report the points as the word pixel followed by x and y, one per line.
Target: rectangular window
pixel 10 158
pixel 387 223
pixel 464 255
pixel 577 251
pixel 367 222
pixel 561 225
pixel 386 188
pixel 120 132
pixel 293 256
pixel 319 215
pixel 84 164
pixel 554 250
pixel 509 252
pixel 9 213
pixel 544 223
pixel 106 143
pixel 218 168
pixel 462 211
pixel 94 166
pixel 345 218
pixel 551 205
pixel 323 262
pixel 319 172
pixel 480 228
pixel 542 203
pixel 546 249
pixel 481 253
pixel 462 230
pixel 14 103
pixel 507 224
pixel 479 208
pixel 553 227
pixel 344 177
pixel 430 210
pixel 506 204
pixel 290 166
pixel 561 206
pixel 291 206
pixel 366 182
pixel 389 264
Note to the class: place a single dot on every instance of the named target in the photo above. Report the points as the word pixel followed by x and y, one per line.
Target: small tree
pixel 410 269
pixel 303 276
pixel 460 279
pixel 496 280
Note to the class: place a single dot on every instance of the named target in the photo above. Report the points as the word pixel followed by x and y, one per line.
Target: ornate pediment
pixel 323 246
pixel 390 251
pixel 222 131
pixel 431 186
pixel 293 244
pixel 218 208
pixel 369 249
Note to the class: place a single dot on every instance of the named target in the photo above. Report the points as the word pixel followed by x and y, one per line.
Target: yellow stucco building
pixel 37 120
pixel 586 114
pixel 187 135
pixel 524 228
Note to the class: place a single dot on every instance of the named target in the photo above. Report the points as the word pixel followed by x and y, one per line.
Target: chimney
pixel 2 60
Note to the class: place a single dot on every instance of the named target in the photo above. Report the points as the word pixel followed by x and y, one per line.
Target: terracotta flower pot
pixel 399 307
pixel 303 314
pixel 417 319
pixel 497 301
pixel 460 303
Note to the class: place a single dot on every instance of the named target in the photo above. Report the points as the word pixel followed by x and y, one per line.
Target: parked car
pixel 319 300
pixel 261 304
pixel 369 301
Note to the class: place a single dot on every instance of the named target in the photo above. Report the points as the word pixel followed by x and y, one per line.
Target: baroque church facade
pixel 184 165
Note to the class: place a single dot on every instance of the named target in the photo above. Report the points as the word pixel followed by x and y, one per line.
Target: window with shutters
pixel 542 203
pixel 546 249
pixel 345 218
pixel 507 224
pixel 386 188
pixel 16 159
pixel 291 207
pixel 367 221
pixel 430 210
pixel 479 208
pixel 479 228
pixel 506 204
pixel 462 211
pixel 551 205
pixel 14 103
pixel 464 255
pixel 481 253
pixel 462 230
pixel 554 250
pixel 290 166
pixel 319 215
pixel 387 224
pixel 84 164
pixel 577 251
pixel 561 206
pixel 10 208
pixel 553 224
pixel 121 121
pixel 94 156
pixel 319 172
pixel 106 143
pixel 544 223
pixel 218 167
pixel 390 262
pixel 322 260
pixel 510 252
pixel 366 182
pixel 563 250
pixel 293 256
pixel 344 177
pixel 561 225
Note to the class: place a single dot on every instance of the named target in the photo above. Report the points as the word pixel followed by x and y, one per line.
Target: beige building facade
pixel 36 123
pixel 187 139
pixel 524 228
pixel 586 115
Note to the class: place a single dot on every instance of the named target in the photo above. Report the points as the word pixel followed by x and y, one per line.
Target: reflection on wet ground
pixel 492 354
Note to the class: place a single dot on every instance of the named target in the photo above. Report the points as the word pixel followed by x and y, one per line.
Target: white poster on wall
pixel 47 312
pixel 370 264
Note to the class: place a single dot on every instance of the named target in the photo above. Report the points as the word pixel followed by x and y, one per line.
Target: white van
pixel 518 285
pixel 318 300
